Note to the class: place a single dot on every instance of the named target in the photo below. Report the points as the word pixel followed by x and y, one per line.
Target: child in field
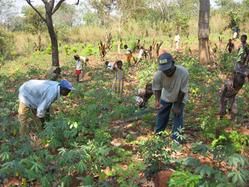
pixel 230 46
pixel 118 82
pixel 141 54
pixel 109 65
pixel 144 95
pixel 81 63
pixel 102 50
pixel 228 94
pixel 128 54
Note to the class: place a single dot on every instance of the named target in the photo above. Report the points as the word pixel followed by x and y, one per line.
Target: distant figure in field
pixel 241 64
pixel 144 95
pixel 118 82
pixel 138 44
pixel 120 45
pixel 80 65
pixel 230 46
pixel 109 65
pixel 215 48
pixel 177 41
pixel 141 54
pixel 150 51
pixel 236 31
pixel 35 99
pixel 228 94
pixel 128 54
pixel 102 50
pixel 220 39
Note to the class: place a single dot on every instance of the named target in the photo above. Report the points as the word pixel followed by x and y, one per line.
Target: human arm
pixel 176 106
pixel 157 88
pixel 180 97
pixel 157 98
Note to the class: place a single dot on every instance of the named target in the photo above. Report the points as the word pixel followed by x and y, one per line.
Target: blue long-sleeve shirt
pixel 39 95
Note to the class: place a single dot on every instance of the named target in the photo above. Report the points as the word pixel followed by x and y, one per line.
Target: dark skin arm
pixel 227 46
pixel 158 96
pixel 176 106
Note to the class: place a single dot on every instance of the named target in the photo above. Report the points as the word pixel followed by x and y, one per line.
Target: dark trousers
pixel 163 119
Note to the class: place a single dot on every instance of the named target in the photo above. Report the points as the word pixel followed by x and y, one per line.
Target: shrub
pixel 6 44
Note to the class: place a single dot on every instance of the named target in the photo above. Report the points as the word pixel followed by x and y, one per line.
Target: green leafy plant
pixel 156 153
pixel 184 179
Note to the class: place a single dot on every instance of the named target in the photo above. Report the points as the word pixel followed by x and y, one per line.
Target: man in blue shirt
pixel 37 96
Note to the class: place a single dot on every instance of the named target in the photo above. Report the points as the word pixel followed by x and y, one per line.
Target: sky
pixel 20 3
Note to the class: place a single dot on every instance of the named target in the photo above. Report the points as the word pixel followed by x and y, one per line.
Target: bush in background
pixel 6 44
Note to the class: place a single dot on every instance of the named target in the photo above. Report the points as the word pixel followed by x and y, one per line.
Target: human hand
pixel 176 110
pixel 158 106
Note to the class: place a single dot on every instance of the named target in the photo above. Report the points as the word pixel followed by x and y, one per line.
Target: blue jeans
pixel 163 119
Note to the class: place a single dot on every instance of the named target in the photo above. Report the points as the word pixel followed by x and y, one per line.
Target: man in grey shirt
pixel 170 85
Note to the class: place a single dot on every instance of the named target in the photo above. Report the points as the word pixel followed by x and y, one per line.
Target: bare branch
pixel 77 3
pixel 29 2
pixel 57 6
pixel 52 4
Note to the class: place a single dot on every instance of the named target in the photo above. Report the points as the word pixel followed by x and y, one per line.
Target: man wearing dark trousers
pixel 170 85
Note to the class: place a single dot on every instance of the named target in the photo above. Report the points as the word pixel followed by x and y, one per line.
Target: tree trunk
pixel 203 35
pixel 55 70
pixel 53 38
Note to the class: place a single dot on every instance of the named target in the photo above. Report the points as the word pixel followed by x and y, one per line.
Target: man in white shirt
pixel 170 85
pixel 36 97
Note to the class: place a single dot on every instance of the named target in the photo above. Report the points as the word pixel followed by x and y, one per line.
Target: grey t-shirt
pixel 171 86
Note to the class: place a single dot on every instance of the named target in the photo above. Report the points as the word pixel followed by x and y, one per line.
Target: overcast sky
pixel 21 3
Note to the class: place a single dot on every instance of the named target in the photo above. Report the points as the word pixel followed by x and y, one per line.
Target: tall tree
pixel 203 34
pixel 50 8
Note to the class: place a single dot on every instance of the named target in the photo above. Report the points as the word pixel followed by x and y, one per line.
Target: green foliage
pixel 148 68
pixel 48 50
pixel 90 50
pixel 88 159
pixel 239 141
pixel 234 142
pixel 33 22
pixel 184 179
pixel 127 177
pixel 214 176
pixel 90 18
pixel 157 154
pixel 6 44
